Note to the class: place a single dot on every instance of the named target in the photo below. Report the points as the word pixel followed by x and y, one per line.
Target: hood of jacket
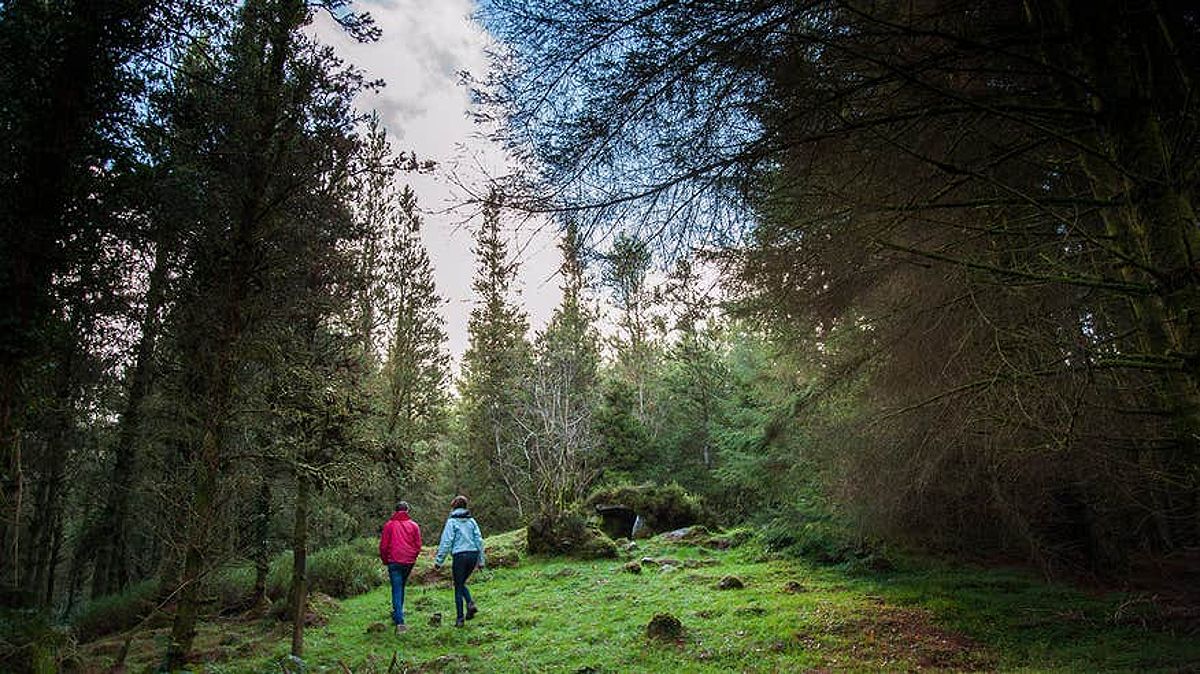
pixel 460 513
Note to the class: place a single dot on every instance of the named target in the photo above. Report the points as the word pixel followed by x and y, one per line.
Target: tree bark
pixel 299 591
pixel 112 569
pixel 262 534
pixel 1155 224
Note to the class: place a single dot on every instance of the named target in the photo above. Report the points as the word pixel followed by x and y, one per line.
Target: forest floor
pixel 562 615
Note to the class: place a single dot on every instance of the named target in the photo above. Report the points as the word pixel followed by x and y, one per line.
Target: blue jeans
pixel 464 564
pixel 398 574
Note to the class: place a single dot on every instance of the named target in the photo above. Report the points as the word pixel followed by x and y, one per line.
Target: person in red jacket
pixel 399 546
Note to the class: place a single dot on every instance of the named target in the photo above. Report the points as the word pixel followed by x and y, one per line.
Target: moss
pixel 664 627
pixel 505 550
pixel 662 507
pixel 569 534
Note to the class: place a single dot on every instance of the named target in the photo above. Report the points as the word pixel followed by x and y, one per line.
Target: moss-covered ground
pixel 563 615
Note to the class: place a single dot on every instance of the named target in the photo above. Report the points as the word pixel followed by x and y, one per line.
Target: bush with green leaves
pixel 30 643
pixel 115 612
pixel 820 537
pixel 232 586
pixel 340 571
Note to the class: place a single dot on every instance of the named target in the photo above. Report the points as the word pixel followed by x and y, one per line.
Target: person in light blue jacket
pixel 462 540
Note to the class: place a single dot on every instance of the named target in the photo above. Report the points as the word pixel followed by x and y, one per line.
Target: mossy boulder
pixel 506 549
pixel 664 627
pixel 730 583
pixel 794 587
pixel 569 534
pixel 661 507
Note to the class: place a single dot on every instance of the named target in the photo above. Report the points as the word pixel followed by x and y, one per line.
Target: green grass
pixel 559 615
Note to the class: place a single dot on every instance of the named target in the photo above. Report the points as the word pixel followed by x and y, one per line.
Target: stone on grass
pixel 730 583
pixel 632 567
pixel 664 627
pixel 649 561
pixel 794 587
pixel 693 533
pixel 435 619
pixel 666 568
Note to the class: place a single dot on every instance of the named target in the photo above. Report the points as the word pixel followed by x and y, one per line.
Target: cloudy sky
pixel 425 44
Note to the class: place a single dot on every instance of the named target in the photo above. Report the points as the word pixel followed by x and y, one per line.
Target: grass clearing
pixel 562 615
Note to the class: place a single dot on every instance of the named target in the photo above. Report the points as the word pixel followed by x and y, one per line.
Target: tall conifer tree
pixel 494 367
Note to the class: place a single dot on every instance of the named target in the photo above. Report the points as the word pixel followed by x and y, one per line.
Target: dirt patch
pixel 893 634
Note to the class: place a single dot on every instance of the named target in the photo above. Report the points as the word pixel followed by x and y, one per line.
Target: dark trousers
pixel 398 574
pixel 464 564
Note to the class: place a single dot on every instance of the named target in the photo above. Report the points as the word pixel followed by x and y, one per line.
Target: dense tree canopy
pixel 978 215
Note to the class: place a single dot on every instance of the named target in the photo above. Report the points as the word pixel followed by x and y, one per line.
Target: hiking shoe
pixel 459 623
pixel 471 611
pixel 401 628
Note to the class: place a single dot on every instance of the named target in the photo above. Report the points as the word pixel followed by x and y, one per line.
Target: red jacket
pixel 401 540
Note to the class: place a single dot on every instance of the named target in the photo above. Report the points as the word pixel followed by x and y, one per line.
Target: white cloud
pixel 425 44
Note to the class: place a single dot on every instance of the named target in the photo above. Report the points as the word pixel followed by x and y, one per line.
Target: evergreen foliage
pixel 491 387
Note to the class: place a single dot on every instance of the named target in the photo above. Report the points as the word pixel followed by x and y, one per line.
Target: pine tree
pixel 626 268
pixel 272 140
pixel 417 363
pixel 563 394
pixel 494 368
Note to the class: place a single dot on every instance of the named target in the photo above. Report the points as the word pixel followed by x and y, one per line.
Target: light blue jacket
pixel 461 534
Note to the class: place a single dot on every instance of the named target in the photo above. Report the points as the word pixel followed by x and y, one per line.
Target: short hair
pixel 402 506
pixel 459 501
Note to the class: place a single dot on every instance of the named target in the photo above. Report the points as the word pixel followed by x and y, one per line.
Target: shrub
pixel 823 540
pixel 232 586
pixel 341 571
pixel 29 643
pixel 115 612
pixel 662 507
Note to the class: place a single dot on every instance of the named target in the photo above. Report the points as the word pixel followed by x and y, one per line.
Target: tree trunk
pixel 183 628
pixel 112 568
pixel 262 535
pixel 216 378
pixel 299 592
pixel 48 497
pixel 1152 222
